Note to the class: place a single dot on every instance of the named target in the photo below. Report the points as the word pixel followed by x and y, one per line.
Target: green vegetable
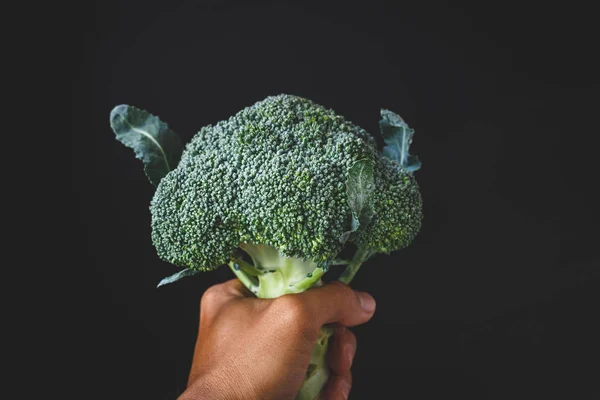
pixel 279 192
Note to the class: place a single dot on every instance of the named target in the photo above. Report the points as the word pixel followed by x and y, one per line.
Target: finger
pixel 337 387
pixel 341 351
pixel 235 288
pixel 337 302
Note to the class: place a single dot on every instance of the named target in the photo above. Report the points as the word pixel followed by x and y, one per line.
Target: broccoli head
pixel 276 174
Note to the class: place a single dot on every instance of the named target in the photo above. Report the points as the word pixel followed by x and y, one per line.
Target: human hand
pixel 249 348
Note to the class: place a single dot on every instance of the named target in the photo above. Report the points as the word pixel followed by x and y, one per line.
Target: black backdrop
pixel 497 297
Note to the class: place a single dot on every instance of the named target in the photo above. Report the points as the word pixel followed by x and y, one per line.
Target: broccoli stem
pixel 248 268
pixel 361 255
pixel 244 277
pixel 318 370
pixel 340 262
pixel 272 274
pixel 312 279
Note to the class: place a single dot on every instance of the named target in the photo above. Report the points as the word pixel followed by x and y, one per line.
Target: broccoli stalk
pixel 278 191
pixel 361 255
pixel 272 275
pixel 318 370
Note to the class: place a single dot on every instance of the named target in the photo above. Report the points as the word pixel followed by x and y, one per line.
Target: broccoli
pixel 280 192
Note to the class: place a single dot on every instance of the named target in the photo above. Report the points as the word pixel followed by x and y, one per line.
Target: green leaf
pixel 175 277
pixel 398 137
pixel 153 142
pixel 360 186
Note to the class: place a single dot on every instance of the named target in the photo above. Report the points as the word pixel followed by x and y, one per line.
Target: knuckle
pixel 347 295
pixel 354 345
pixel 210 298
pixel 291 308
pixel 351 338
pixel 293 315
pixel 349 380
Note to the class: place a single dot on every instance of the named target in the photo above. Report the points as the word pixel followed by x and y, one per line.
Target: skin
pixel 249 348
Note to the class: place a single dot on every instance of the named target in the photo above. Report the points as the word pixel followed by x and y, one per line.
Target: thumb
pixel 337 302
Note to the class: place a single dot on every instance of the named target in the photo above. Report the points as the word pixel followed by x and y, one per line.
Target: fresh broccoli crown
pixel 275 174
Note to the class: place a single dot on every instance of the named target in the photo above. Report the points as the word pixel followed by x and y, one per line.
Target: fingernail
pixel 349 354
pixel 344 389
pixel 366 302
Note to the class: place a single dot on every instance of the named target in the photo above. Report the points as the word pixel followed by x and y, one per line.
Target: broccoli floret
pixel 278 191
pixel 275 174
pixel 397 204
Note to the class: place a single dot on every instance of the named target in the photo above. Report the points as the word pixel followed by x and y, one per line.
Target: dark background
pixel 497 297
